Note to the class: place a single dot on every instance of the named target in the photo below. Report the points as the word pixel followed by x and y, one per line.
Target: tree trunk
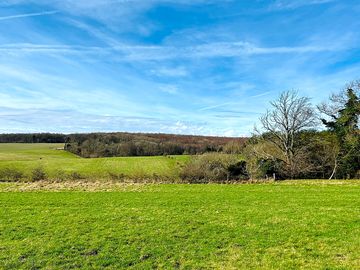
pixel 334 170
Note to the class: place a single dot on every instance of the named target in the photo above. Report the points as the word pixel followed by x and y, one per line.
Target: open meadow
pixel 287 225
pixel 59 164
pixel 103 224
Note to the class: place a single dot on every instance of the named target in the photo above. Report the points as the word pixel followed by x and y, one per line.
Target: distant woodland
pixel 118 144
pixel 130 144
pixel 32 138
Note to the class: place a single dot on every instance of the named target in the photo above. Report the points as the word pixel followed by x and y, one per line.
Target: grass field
pixel 112 225
pixel 56 163
pixel 291 225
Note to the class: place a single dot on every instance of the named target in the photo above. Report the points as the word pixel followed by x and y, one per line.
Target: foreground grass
pixel 291 225
pixel 60 164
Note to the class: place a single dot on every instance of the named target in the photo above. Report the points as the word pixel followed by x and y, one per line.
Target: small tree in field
pixel 289 115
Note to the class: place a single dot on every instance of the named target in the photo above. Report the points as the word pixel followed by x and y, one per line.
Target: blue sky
pixel 172 66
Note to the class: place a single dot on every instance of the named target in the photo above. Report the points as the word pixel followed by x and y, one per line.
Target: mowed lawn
pixel 288 225
pixel 26 157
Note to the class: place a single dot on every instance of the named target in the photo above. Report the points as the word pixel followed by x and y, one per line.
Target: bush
pixel 76 176
pixel 238 170
pixel 233 147
pixel 263 160
pixel 11 174
pixel 60 175
pixel 214 167
pixel 116 176
pixel 38 174
pixel 271 168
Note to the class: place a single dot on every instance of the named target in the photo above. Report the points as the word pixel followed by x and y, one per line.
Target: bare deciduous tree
pixel 337 101
pixel 289 115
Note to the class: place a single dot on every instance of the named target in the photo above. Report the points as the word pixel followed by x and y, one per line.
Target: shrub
pixel 116 176
pixel 271 168
pixel 214 167
pixel 263 160
pixel 76 176
pixel 11 174
pixel 238 170
pixel 60 175
pixel 38 174
pixel 233 147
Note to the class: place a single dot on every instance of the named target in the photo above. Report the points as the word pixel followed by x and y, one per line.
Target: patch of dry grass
pixel 80 185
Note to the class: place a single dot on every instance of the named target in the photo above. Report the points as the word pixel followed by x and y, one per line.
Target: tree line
pixel 32 138
pixel 141 144
pixel 93 145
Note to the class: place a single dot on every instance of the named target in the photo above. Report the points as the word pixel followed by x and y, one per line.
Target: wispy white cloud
pixel 119 15
pixel 215 106
pixel 262 94
pixel 156 52
pixel 40 48
pixel 232 103
pixel 293 4
pixel 69 121
pixel 169 89
pixel 170 71
pixel 25 15
pixel 97 33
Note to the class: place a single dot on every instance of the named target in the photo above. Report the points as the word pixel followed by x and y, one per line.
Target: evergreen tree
pixel 345 124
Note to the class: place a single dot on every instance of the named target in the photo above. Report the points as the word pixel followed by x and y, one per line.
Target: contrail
pixel 215 106
pixel 28 15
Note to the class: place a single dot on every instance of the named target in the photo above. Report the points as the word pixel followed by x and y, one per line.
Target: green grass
pixel 57 225
pixel 291 225
pixel 26 157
